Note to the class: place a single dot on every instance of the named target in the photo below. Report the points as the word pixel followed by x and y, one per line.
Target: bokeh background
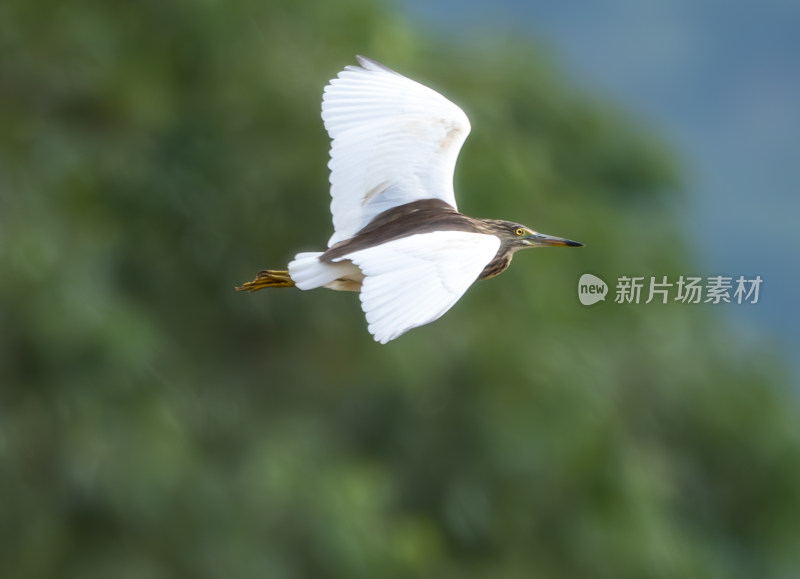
pixel 154 423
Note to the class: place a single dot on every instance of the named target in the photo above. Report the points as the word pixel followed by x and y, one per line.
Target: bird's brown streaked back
pixel 421 216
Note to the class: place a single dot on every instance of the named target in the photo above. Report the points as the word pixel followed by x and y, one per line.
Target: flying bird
pixel 398 237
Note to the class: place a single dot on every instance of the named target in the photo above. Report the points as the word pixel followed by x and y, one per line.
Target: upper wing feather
pixel 393 141
pixel 413 280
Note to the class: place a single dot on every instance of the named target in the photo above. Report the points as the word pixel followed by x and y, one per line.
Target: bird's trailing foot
pixel 267 278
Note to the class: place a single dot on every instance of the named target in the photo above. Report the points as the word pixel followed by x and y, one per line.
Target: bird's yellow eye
pixel 519 232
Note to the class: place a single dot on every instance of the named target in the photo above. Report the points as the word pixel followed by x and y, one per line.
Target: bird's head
pixel 515 236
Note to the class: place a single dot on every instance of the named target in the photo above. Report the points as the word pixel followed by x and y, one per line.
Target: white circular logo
pixel 591 289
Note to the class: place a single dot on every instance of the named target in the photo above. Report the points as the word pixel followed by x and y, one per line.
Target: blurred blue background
pixel 719 82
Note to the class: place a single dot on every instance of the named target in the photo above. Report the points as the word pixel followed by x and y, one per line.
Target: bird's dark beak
pixel 543 240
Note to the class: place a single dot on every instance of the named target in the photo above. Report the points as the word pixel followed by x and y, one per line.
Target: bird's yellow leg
pixel 267 278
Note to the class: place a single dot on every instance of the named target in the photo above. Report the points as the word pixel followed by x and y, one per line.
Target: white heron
pixel 398 237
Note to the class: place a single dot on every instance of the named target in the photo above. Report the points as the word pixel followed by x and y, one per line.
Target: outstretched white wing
pixel 413 280
pixel 393 141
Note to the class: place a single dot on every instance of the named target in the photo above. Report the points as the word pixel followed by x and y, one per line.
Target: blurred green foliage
pixel 154 423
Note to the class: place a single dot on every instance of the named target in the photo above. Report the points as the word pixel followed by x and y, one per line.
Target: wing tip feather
pixel 370 64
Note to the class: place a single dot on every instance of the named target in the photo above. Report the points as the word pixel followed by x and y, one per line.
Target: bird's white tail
pixel 308 272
